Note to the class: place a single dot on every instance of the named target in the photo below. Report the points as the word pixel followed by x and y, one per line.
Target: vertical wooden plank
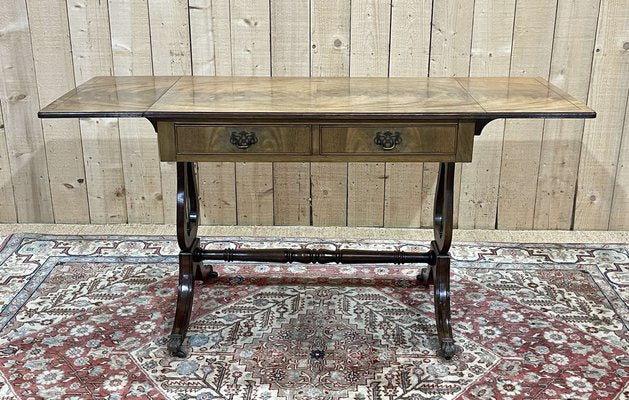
pixel 7 202
pixel 330 36
pixel 573 46
pixel 170 45
pixel 403 195
pixel 290 56
pixel 329 193
pixel 330 32
pixel 366 189
pixel 251 56
pixel 202 37
pixel 428 186
pixel 210 37
pixel 291 191
pixel 210 28
pixel 451 38
pixel 619 215
pixel 251 45
pixel 532 48
pixel 140 160
pixel 410 37
pixel 449 56
pixel 170 37
pixel 370 37
pixel 254 193
pixel 217 193
pixel 602 136
pixel 103 170
pixel 18 98
pixel 490 56
pixel 290 37
pixel 409 56
pixel 221 28
pixel 130 37
pixel 92 54
pixel 131 46
pixel 52 53
pixel 370 33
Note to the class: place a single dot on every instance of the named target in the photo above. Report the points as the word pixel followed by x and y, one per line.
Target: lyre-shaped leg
pixel 187 205
pixel 189 269
pixel 185 295
pixel 442 306
pixel 444 202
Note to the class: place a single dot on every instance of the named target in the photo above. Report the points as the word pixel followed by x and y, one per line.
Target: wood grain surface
pixel 132 55
pixel 323 98
pixel 414 139
pixel 208 139
pixel 24 137
pixel 601 162
pixel 330 35
pixel 490 56
pixel 110 96
pixel 581 181
pixel 571 67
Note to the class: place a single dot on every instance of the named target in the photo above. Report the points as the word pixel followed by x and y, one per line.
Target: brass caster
pixel 175 346
pixel 179 353
pixel 206 273
pixel 425 276
pixel 448 349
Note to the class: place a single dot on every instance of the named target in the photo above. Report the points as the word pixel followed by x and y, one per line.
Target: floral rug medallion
pixel 89 317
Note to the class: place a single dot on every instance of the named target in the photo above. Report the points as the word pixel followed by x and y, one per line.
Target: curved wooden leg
pixel 189 268
pixel 187 205
pixel 442 306
pixel 187 271
pixel 444 198
pixel 444 204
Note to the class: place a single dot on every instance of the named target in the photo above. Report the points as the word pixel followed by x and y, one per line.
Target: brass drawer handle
pixel 387 140
pixel 243 139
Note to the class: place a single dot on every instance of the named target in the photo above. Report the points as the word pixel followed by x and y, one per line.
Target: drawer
pixel 231 139
pixel 437 138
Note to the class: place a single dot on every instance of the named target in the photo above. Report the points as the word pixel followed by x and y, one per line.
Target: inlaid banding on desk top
pixel 500 95
pixel 121 96
pixel 316 98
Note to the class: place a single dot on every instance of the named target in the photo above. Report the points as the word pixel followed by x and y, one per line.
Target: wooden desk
pixel 315 119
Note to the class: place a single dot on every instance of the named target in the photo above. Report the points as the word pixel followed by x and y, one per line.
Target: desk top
pixel 316 98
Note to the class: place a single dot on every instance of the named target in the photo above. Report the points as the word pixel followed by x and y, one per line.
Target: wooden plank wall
pixel 568 174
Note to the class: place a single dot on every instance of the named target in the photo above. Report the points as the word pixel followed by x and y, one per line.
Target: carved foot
pixel 175 346
pixel 425 276
pixel 205 273
pixel 448 349
pixel 183 309
pixel 442 305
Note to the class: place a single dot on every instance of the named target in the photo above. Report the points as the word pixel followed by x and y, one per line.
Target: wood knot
pixel 17 97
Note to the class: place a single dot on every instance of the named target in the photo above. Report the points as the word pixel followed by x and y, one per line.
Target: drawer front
pixel 419 139
pixel 238 139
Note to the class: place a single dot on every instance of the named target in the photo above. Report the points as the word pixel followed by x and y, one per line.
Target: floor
pixel 328 232
pixel 89 316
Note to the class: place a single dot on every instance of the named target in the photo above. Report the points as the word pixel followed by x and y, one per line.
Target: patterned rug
pixel 88 318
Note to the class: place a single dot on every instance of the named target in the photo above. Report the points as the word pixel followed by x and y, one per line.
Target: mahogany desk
pixel 315 119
